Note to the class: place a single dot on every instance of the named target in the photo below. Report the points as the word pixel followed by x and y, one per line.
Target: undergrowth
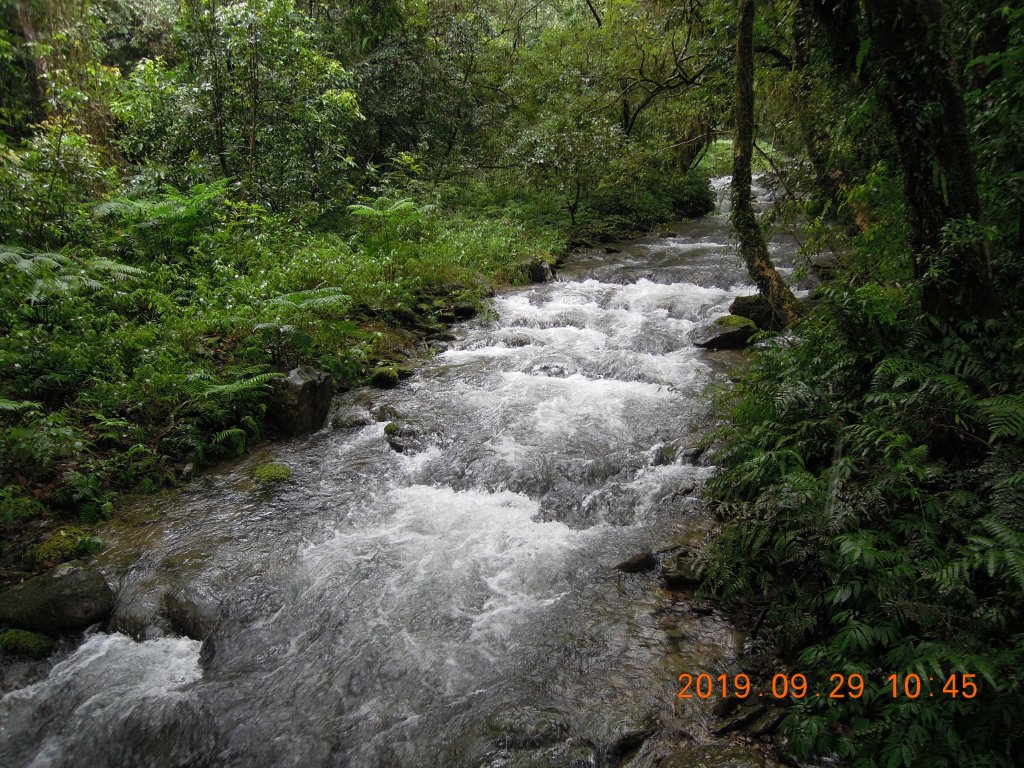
pixel 872 492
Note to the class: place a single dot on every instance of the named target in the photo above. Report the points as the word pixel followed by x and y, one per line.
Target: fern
pixel 17 406
pixel 1005 415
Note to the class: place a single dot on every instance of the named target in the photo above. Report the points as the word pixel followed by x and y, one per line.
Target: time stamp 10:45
pixel 906 686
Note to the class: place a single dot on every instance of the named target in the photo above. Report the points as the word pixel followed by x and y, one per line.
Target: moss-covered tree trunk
pixel 929 122
pixel 751 240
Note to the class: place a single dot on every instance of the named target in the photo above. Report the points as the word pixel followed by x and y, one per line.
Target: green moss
pixel 735 321
pixel 66 543
pixel 272 473
pixel 385 377
pixel 22 643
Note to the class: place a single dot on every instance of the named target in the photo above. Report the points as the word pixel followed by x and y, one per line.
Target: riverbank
pixel 165 362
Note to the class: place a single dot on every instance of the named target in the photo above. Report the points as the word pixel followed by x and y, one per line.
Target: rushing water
pixel 453 604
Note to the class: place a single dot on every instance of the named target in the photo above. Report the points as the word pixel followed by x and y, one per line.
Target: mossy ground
pixel 18 642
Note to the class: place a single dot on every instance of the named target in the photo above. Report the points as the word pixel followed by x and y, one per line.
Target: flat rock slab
pixel 71 596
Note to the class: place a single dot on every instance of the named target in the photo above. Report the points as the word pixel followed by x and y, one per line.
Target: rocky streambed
pixel 489 565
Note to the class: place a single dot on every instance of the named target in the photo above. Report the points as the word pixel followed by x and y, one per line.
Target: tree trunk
pixel 752 245
pixel 928 118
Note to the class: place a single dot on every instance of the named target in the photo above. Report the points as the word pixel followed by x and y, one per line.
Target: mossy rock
pixel 735 321
pixel 388 376
pixel 272 473
pixel 384 377
pixel 19 642
pixel 71 596
pixel 66 543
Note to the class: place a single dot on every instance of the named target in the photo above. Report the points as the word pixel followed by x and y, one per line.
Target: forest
pixel 197 196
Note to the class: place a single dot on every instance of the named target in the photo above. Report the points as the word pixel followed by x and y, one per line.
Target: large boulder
pixel 758 309
pixel 71 596
pixel 301 401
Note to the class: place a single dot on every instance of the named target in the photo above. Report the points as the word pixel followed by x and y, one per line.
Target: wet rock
pixel 713 756
pixel 667 233
pixel 725 707
pixel 388 376
pixel 767 724
pixel 350 418
pixel 609 250
pixel 824 266
pixel 540 271
pixel 190 615
pixel 406 317
pixel 410 436
pixel 681 571
pixel 441 336
pixel 71 596
pixel 301 402
pixel 464 310
pixel 529 727
pixel 715 337
pixel 629 741
pixel 553 370
pixel 386 412
pixel 756 308
pixel 742 720
pixel 521 340
pixel 641 563
pixel 159 731
pixel 701 607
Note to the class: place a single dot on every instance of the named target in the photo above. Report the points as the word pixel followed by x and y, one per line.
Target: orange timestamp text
pixel 784 686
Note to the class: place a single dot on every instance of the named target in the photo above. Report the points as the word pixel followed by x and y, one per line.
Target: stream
pixel 454 603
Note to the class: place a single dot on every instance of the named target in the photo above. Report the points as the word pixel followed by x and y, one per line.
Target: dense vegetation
pixel 873 484
pixel 196 196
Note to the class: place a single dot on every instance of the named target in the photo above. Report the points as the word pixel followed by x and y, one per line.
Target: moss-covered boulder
pixel 734 321
pixel 388 376
pixel 272 473
pixel 411 436
pixel 757 309
pixel 19 642
pixel 71 596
